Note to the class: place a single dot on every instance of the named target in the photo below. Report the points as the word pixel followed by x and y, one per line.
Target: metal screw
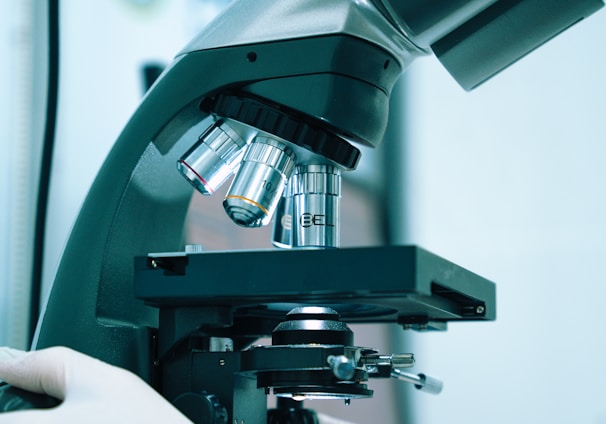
pixel 480 309
pixel 153 263
pixel 251 56
pixel 221 362
pixel 342 367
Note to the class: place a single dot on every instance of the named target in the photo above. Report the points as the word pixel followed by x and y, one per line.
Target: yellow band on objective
pixel 233 196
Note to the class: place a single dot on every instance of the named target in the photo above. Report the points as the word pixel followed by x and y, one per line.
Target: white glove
pixel 92 391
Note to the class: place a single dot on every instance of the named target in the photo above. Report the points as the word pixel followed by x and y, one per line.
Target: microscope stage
pixel 403 284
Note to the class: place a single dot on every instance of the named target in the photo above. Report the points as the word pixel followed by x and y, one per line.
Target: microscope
pixel 274 96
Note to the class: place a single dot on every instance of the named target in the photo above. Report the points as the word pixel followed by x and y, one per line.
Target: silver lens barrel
pixel 316 191
pixel 255 191
pixel 213 158
pixel 283 225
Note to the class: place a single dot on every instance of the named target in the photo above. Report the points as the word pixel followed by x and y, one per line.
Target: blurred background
pixel 508 181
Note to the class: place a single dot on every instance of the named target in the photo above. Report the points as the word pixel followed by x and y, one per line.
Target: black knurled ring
pixel 284 124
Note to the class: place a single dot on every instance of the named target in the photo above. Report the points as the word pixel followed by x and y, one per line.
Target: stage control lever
pixel 385 366
pixel 422 382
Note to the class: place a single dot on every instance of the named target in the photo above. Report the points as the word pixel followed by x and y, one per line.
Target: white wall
pixel 509 181
pixel 6 75
pixel 22 100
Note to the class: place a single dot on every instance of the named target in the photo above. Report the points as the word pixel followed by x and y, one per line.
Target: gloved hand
pixel 92 391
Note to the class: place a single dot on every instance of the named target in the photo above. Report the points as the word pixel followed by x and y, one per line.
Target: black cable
pixel 46 163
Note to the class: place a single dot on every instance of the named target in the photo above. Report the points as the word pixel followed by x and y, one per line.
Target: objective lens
pixel 266 167
pixel 282 234
pixel 316 206
pixel 213 159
